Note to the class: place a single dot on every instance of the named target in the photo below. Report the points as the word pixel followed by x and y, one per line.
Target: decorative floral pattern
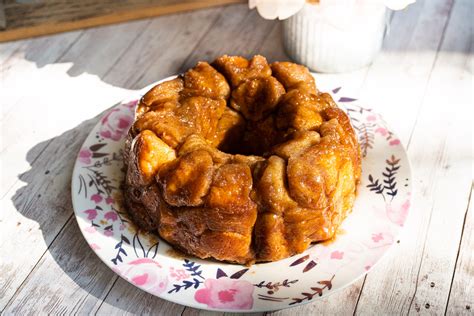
pixel 315 290
pixel 85 156
pixel 226 293
pixel 311 264
pixel 195 274
pixel 380 211
pixel 115 124
pixel 178 274
pixel 145 273
pixel 388 185
pixel 272 288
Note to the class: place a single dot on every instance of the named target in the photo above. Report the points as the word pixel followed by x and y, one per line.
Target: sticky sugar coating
pixel 241 161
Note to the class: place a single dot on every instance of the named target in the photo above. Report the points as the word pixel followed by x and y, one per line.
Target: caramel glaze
pixel 241 161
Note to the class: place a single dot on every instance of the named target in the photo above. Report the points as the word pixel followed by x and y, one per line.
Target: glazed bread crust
pixel 241 161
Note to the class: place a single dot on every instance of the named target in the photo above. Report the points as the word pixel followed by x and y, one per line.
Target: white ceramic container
pixel 336 37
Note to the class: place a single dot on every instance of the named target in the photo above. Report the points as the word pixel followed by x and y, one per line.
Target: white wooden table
pixel 53 89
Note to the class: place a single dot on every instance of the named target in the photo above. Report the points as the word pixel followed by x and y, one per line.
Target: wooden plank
pixel 13 223
pixel 397 80
pixel 195 312
pixel 6 51
pixel 160 51
pixel 47 17
pixel 42 205
pixel 15 66
pixel 213 43
pixel 3 19
pixel 419 276
pixel 272 46
pixel 330 305
pixel 199 312
pixel 461 298
pixel 126 299
pixel 36 212
pixel 93 57
pixel 51 217
pixel 52 77
pixel 61 275
pixel 453 160
pixel 36 53
pixel 238 31
pixel 372 85
pixel 340 303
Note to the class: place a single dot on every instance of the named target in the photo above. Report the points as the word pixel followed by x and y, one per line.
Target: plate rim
pixel 137 94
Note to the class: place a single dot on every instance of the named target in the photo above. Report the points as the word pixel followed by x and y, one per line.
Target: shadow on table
pixel 100 51
pixel 46 199
pixel 116 59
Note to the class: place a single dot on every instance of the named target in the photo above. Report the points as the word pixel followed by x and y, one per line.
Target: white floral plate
pixel 149 263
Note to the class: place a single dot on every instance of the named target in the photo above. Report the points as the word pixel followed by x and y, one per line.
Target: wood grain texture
pixel 431 238
pixel 395 67
pixel 340 303
pixel 13 221
pixel 461 295
pixel 451 160
pixel 420 82
pixel 150 58
pixel 15 64
pixel 396 82
pixel 60 276
pixel 124 299
pixel 49 221
pixel 198 312
pixel 36 18
pixel 402 73
pixel 3 19
pixel 43 209
pixel 236 31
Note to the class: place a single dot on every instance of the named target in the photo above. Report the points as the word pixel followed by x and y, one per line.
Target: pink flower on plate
pixel 337 255
pixel 379 234
pixel 111 215
pixel 91 214
pixel 115 124
pixel 97 198
pixel 145 273
pixel 394 142
pixel 122 227
pixel 377 237
pixel 382 131
pixel 379 240
pixel 178 274
pixel 398 215
pixel 131 105
pixel 85 156
pixel 226 293
pixel 109 200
